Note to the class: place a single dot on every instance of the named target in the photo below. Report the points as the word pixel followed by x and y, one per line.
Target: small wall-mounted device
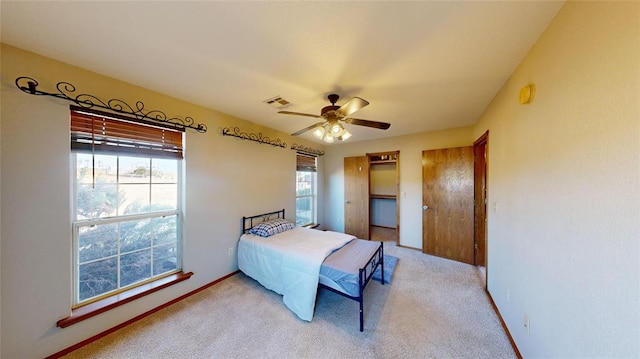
pixel 527 93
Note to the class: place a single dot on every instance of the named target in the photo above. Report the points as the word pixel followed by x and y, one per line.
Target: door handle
pixel 425 207
pixel 347 202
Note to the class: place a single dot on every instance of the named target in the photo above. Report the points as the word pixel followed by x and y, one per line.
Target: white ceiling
pixel 423 66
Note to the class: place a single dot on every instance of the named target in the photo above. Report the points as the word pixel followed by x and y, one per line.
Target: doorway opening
pixel 371 196
pixel 383 195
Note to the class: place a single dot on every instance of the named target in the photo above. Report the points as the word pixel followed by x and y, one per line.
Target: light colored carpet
pixel 434 308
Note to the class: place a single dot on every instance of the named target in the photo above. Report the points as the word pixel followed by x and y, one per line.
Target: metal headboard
pixel 249 222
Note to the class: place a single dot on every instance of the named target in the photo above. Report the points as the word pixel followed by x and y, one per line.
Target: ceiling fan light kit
pixel 319 132
pixel 331 128
pixel 345 135
pixel 330 131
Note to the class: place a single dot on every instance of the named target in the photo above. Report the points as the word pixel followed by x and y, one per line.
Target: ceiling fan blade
pixel 307 129
pixel 351 106
pixel 368 123
pixel 299 114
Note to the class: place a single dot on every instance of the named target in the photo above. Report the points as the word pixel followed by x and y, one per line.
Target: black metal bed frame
pixel 364 276
pixel 365 273
pixel 264 217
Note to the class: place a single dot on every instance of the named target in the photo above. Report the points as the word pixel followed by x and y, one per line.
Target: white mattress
pixel 289 263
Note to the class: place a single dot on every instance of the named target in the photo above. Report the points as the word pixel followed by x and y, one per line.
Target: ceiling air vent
pixel 277 102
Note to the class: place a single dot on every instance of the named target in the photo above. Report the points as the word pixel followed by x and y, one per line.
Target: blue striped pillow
pixel 271 227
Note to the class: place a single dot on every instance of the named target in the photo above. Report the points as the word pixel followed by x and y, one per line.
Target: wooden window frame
pixel 90 310
pixel 134 138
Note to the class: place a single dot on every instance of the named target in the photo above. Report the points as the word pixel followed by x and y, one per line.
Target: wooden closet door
pixel 447 216
pixel 356 196
pixel 480 202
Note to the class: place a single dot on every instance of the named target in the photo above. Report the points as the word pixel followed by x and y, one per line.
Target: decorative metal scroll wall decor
pixel 307 150
pixel 29 85
pixel 255 137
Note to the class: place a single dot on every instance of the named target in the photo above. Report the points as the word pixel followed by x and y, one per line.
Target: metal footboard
pixel 364 276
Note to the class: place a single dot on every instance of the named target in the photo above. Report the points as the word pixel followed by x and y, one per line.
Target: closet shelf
pixel 383 196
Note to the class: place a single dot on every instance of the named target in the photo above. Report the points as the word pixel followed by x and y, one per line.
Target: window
pixel 306 192
pixel 126 204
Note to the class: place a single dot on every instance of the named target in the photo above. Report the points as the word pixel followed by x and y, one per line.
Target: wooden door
pixel 447 199
pixel 480 198
pixel 356 196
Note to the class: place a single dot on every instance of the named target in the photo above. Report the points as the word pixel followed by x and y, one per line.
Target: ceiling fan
pixel 331 127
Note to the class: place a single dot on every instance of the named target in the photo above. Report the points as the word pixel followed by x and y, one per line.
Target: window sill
pixel 101 306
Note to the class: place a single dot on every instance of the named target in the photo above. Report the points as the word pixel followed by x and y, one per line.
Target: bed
pixel 295 261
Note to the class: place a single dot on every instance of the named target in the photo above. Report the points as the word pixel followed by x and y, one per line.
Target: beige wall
pixel 220 187
pixel 382 178
pixel 564 198
pixel 564 188
pixel 0 212
pixel 410 167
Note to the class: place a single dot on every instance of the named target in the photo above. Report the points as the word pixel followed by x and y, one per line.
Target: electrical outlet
pixel 231 251
pixel 527 323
